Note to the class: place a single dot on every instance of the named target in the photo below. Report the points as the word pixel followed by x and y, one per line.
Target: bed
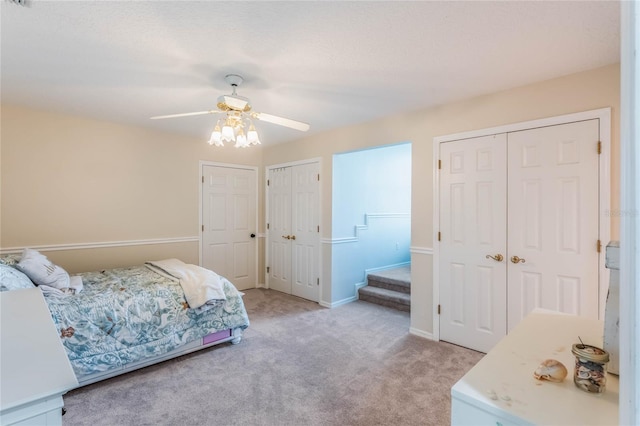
pixel 127 318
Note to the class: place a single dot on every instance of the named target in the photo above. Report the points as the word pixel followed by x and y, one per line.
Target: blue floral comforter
pixel 128 314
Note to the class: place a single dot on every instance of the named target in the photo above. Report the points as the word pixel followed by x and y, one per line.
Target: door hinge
pixel 439 164
pixel 318 228
pixel 599 246
pixel 439 236
pixel 599 147
pixel 318 281
pixel 268 269
pixel 202 179
pixel 438 309
pixel 318 177
pixel 267 226
pixel 202 228
pixel 268 182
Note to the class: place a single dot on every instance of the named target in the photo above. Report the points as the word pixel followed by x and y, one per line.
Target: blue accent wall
pixel 371 214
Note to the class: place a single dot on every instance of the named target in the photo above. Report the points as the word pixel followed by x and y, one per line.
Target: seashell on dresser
pixel 551 370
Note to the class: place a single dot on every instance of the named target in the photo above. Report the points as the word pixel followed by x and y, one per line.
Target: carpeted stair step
pixel 385 297
pixel 389 283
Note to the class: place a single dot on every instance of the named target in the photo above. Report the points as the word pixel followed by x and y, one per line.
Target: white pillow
pixel 12 279
pixel 42 271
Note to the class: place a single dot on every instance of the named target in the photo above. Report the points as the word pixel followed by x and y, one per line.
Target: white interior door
pixel 553 220
pixel 293 230
pixel 531 196
pixel 305 231
pixel 279 229
pixel 473 228
pixel 229 223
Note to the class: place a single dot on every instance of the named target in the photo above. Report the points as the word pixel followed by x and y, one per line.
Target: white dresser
pixel 506 374
pixel 34 369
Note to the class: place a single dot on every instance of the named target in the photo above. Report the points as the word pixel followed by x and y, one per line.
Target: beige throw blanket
pixel 200 285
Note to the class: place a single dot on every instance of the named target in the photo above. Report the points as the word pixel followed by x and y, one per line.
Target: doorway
pixel 293 229
pixel 519 226
pixel 371 216
pixel 228 217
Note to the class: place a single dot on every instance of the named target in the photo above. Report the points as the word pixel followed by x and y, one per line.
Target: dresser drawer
pixel 465 414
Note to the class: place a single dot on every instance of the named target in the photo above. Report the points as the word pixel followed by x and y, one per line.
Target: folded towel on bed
pixel 200 285
pixel 76 283
pixel 75 287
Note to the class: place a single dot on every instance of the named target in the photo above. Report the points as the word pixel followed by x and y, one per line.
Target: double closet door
pixel 519 215
pixel 293 230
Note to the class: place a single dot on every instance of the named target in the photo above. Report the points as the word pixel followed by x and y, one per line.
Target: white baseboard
pixel 338 303
pixel 358 286
pixel 421 333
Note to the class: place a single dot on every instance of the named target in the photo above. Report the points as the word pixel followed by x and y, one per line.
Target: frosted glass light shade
pixel 233 130
pixel 252 136
pixel 241 141
pixel 227 134
pixel 216 136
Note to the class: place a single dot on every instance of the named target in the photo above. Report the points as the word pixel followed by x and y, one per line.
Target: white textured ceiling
pixel 330 64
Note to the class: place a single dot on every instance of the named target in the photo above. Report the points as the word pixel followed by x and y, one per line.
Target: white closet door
pixel 473 226
pixel 229 220
pixel 279 231
pixel 553 220
pixel 294 239
pixel 305 221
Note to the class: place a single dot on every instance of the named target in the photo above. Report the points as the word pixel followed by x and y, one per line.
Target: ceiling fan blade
pixel 298 125
pixel 186 114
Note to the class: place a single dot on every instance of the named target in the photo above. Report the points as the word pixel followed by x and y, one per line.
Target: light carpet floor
pixel 298 364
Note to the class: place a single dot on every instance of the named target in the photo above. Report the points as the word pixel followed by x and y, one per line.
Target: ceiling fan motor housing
pixel 233 103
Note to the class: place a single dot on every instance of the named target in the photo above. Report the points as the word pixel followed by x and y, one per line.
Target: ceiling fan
pixel 238 114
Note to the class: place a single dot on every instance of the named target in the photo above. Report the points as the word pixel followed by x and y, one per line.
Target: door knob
pixel 293 237
pixel 498 257
pixel 287 237
pixel 516 259
pixel 252 235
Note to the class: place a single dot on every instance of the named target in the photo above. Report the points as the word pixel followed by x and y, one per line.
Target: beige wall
pixel 69 180
pixel 72 180
pixel 589 90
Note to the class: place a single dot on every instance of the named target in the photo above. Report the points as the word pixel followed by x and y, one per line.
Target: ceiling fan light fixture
pixel 238 116
pixel 252 136
pixel 216 136
pixel 228 133
pixel 241 140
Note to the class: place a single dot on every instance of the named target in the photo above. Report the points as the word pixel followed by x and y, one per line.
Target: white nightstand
pixel 508 368
pixel 34 369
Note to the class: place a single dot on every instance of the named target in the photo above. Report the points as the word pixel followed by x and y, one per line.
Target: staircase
pixel 391 288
